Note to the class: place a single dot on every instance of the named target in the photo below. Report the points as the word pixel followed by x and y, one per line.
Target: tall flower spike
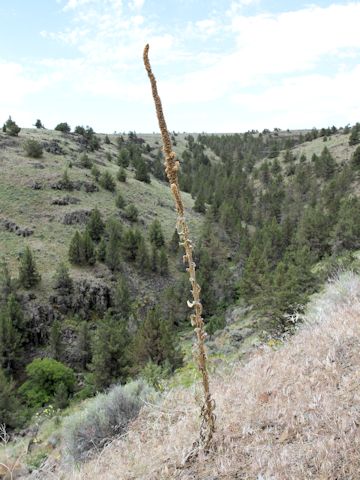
pixel 207 426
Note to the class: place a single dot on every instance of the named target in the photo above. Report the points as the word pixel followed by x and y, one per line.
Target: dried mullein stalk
pixel 207 427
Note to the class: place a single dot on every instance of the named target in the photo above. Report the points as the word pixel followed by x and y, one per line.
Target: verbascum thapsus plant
pixel 207 426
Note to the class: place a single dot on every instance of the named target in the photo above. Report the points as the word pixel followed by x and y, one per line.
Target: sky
pixel 221 66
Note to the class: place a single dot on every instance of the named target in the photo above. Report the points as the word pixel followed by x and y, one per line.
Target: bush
pixel 28 274
pixel 107 181
pixel 131 213
pixel 11 128
pixel 63 127
pixel 121 175
pixel 85 161
pixel 44 377
pixel 105 416
pixel 120 201
pixel 33 148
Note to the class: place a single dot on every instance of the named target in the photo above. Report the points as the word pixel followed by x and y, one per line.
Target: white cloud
pixel 136 4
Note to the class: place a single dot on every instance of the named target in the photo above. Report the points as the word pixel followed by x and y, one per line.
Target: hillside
pixel 289 412
pixel 93 288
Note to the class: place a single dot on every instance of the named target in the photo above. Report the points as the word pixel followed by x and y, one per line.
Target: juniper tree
pixel 89 249
pixel 121 175
pixel 120 201
pixel 156 235
pixel 28 273
pixel 107 181
pixel 95 225
pixel 11 128
pixel 63 127
pixel 76 249
pixel 55 340
pixel 141 172
pixel 123 158
pixel 62 281
pixel 110 352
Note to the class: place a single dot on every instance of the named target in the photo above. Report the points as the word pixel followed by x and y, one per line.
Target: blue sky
pixel 221 66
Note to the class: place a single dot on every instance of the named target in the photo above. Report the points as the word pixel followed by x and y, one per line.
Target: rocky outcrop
pixel 88 187
pixel 53 147
pixel 67 200
pixel 87 296
pixel 78 217
pixel 11 226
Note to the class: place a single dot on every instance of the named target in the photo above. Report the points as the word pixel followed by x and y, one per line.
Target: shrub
pixel 28 274
pixel 44 377
pixel 107 181
pixel 11 128
pixel 63 127
pixel 105 416
pixel 120 201
pixel 85 161
pixel 33 148
pixel 131 213
pixel 121 175
pixel 38 124
pixel 95 172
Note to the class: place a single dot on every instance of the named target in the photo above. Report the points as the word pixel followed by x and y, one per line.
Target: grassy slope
pixel 33 208
pixel 287 414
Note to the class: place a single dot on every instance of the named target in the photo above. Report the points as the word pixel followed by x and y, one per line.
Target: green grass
pixel 33 208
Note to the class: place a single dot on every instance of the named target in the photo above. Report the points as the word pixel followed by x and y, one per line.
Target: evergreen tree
pixel 9 404
pixel 122 299
pixel 84 344
pixel 163 263
pixel 354 138
pixel 199 205
pixel 142 256
pixel 6 283
pixel 155 341
pixel 156 235
pixel 113 258
pixel 346 234
pixel 38 124
pixel 123 158
pixel 355 160
pixel 107 181
pixel 88 248
pixel 101 251
pixel 11 128
pixel 11 339
pixel 131 213
pixel 313 231
pixel 154 259
pixel 107 140
pixel 28 274
pixel 254 280
pixel 121 175
pixel 174 242
pixel 120 201
pixel 62 281
pixel 141 172
pixel 110 352
pixel 63 127
pixel 55 340
pixel 66 182
pixel 95 172
pixel 95 226
pixel 76 249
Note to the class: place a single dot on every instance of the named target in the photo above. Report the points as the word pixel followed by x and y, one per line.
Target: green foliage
pixel 163 263
pixel 95 225
pixel 11 334
pixel 65 181
pixel 85 161
pixel 122 299
pixel 107 140
pixel 155 342
pixel 81 249
pixel 141 172
pixel 120 201
pixel 114 233
pixel 84 344
pixel 104 416
pixel 55 340
pixel 38 124
pixel 11 128
pixel 346 233
pixel 131 213
pixel 9 404
pixel 33 148
pixel 28 274
pixel 199 205
pixel 95 172
pixel 355 160
pixel 354 138
pixel 63 127
pixel 174 242
pixel 121 175
pixel 156 235
pixel 44 377
pixel 107 181
pixel 101 251
pixel 62 281
pixel 110 352
pixel 123 158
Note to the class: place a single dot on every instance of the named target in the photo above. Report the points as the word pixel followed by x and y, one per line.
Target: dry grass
pixel 290 414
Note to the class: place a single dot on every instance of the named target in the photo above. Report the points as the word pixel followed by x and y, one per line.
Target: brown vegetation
pixel 290 414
